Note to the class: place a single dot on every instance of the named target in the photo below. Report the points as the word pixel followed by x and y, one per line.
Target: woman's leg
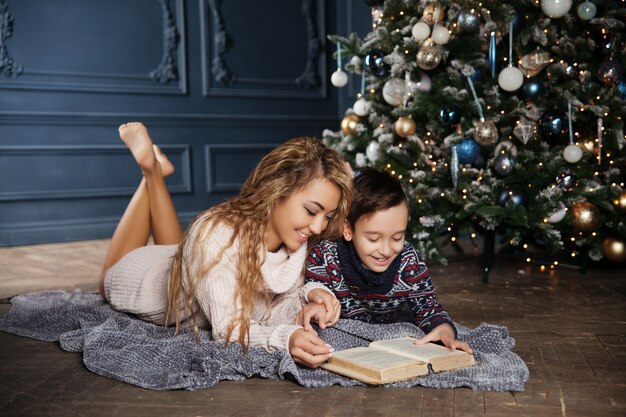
pixel 151 208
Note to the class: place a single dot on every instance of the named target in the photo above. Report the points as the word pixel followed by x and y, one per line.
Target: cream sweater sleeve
pixel 271 325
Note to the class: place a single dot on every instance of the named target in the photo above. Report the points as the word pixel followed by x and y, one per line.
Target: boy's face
pixel 379 238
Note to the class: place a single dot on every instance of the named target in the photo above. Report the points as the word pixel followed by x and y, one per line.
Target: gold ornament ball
pixel 429 13
pixel 620 202
pixel 486 133
pixel 585 217
pixel 428 57
pixel 348 124
pixel 614 249
pixel 405 126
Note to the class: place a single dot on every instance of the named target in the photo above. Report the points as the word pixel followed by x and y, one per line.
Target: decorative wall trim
pixel 9 67
pixel 212 152
pixel 180 152
pixel 309 79
pixel 113 120
pixel 309 85
pixel 167 70
pixel 221 43
pixel 158 81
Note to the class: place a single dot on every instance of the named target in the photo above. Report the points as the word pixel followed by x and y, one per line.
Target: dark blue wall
pixel 218 83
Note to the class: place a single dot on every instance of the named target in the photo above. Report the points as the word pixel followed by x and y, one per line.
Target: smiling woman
pixel 238 268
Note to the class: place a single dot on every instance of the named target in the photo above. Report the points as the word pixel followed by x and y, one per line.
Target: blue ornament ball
pixel 552 124
pixel 468 21
pixel 517 20
pixel 532 88
pixel 621 88
pixel 467 151
pixel 450 116
pixel 516 196
pixel 374 64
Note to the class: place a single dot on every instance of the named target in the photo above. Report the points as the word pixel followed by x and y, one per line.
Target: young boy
pixel 373 271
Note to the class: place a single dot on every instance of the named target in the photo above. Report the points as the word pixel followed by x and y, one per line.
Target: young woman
pixel 239 266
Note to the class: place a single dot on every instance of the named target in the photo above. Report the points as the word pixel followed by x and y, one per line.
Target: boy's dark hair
pixel 375 191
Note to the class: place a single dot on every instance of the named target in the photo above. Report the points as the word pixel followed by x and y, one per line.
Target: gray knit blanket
pixel 122 347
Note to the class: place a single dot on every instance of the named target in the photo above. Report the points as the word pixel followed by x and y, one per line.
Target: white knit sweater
pixel 138 284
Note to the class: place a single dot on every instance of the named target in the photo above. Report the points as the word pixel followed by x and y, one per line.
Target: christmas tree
pixel 501 118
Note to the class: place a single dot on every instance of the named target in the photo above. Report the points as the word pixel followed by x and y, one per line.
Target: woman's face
pixel 305 213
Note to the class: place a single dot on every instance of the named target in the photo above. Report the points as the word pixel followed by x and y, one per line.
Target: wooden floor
pixel 570 329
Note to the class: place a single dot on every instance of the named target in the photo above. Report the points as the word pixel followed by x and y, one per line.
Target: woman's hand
pixel 306 348
pixel 330 302
pixel 445 334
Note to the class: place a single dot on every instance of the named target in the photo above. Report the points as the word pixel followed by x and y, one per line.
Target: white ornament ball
pixel 440 35
pixel 339 78
pixel 373 151
pixel 362 107
pixel 360 159
pixel 556 8
pixel 557 216
pixel 393 91
pixel 424 84
pixel 420 31
pixel 510 79
pixel 572 153
pixel 587 10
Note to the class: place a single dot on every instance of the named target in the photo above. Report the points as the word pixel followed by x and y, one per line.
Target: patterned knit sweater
pixel 411 284
pixel 137 284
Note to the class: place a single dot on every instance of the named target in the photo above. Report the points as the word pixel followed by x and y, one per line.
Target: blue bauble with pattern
pixel 467 151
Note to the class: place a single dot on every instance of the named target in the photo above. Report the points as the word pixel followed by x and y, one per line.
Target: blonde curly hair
pixel 287 169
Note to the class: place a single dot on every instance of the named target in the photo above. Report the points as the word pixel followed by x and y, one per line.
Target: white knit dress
pixel 137 284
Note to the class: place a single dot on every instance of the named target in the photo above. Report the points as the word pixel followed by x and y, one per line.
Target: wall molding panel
pixel 220 77
pixel 218 157
pixel 169 76
pixel 82 172
pixel 68 230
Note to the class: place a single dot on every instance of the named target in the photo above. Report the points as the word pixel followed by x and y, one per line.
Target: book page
pixel 404 346
pixel 371 358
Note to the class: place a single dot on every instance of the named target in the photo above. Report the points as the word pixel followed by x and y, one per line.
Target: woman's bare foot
pixel 135 136
pixel 167 168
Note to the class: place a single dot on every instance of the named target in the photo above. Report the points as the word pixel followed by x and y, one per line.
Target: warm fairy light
pixel 525 245
pixel 411 180
pixel 573 254
pixel 400 176
pixel 542 268
pixel 415 164
pixel 453 239
pixel 406 51
pixel 399 145
pixel 527 259
pixel 473 235
pixel 393 172
pixel 593 234
pixel 556 263
pixel 388 165
pixel 573 239
pixel 419 201
pixel 449 229
pixel 443 194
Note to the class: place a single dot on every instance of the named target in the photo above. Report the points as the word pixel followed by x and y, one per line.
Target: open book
pixel 385 361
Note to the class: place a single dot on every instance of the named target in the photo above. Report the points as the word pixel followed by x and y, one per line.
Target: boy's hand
pixel 330 302
pixel 312 311
pixel 445 334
